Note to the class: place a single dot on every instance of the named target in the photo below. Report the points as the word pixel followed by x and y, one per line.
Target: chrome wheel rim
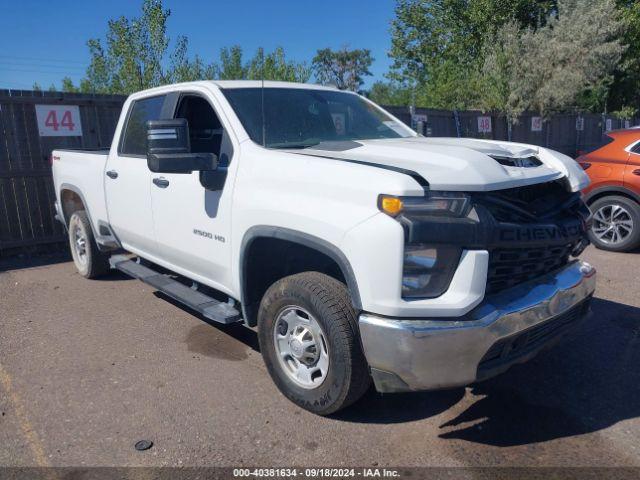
pixel 301 347
pixel 80 244
pixel 612 224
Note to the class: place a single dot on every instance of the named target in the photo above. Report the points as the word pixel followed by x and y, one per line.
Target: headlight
pixel 439 204
pixel 427 270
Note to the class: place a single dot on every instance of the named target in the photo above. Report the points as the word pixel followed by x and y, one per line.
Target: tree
pixel 392 93
pixel 36 87
pixel 498 82
pixel 184 69
pixel 344 68
pixel 547 70
pixel 231 66
pixel 270 66
pixel 99 73
pixel 134 56
pixel 438 44
pixel 68 86
pixel 275 66
pixel 625 90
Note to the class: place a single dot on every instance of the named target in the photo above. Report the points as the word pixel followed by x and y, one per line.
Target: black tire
pixel 90 262
pixel 328 301
pixel 632 240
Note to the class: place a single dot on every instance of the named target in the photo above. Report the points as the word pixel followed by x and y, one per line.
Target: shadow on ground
pixel 27 260
pixel 587 382
pixel 198 338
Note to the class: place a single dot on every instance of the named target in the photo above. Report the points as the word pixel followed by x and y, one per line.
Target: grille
pixel 510 267
pixel 511 348
pixel 530 204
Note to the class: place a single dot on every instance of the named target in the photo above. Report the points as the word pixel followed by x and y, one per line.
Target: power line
pixel 63 71
pixel 54 60
pixel 31 64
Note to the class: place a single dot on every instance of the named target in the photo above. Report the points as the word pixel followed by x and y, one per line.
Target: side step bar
pixel 211 308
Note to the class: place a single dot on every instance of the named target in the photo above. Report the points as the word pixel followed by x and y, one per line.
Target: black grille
pixel 510 267
pixel 509 349
pixel 532 204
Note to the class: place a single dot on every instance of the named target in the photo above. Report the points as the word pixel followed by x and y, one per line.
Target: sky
pixel 44 41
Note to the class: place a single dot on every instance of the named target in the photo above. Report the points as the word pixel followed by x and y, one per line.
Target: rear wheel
pixel 616 224
pixel 89 261
pixel 309 341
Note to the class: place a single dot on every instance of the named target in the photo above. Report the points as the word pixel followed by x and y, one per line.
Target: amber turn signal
pixel 390 205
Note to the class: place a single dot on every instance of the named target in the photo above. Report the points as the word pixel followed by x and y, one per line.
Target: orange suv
pixel 614 193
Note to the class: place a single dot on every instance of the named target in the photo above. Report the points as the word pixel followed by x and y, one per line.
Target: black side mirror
pixel 169 149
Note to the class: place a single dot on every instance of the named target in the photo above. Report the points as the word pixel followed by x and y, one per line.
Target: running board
pixel 209 307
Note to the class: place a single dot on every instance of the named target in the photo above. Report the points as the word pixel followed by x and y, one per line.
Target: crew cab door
pixel 193 223
pixel 128 179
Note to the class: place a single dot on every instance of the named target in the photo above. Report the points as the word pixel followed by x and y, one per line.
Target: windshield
pixel 301 118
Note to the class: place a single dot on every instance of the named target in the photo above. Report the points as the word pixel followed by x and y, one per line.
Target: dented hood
pixel 461 164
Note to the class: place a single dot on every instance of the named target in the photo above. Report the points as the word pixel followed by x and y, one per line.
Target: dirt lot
pixel 87 368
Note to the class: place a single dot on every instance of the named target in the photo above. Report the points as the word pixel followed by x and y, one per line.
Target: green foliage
pixel 343 68
pixel 511 56
pixel 274 66
pixel 438 44
pixel 267 66
pixel 231 66
pixel 36 87
pixel 625 113
pixel 68 86
pixel 183 69
pixel 135 57
pixel 550 69
pixel 497 80
pixel 494 55
pixel 392 93
pixel 134 54
pixel 625 88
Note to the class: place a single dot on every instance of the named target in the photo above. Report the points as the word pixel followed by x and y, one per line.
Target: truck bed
pixel 82 172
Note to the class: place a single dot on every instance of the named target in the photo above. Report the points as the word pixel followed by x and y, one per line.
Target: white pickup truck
pixel 360 250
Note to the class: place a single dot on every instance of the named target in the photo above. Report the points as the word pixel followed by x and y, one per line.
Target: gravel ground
pixel 88 368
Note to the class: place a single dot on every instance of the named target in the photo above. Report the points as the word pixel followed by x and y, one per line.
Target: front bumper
pixel 506 328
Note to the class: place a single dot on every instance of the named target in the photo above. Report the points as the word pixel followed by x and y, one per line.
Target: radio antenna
pixel 264 128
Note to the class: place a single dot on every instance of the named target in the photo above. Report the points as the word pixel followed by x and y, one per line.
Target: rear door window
pixel 605 140
pixel 135 134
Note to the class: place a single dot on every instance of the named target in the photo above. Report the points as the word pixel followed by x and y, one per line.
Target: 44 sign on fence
pixel 59 120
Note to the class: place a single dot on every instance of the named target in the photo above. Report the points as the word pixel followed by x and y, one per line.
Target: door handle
pixel 112 174
pixel 161 182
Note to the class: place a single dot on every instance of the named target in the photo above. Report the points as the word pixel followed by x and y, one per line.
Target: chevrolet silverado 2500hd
pixel 358 249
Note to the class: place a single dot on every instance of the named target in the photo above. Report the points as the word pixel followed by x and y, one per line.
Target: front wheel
pixel 616 224
pixel 309 341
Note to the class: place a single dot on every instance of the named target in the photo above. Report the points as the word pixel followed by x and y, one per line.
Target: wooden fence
pixel 570 134
pixel 26 188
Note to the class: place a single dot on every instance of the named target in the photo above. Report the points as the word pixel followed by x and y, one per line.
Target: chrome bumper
pixel 425 354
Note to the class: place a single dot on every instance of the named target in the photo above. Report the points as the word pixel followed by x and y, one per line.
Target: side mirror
pixel 169 150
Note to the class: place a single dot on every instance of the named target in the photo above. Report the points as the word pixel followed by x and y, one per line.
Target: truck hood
pixel 460 164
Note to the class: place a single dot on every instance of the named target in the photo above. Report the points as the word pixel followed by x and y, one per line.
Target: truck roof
pixel 268 84
pixel 228 84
